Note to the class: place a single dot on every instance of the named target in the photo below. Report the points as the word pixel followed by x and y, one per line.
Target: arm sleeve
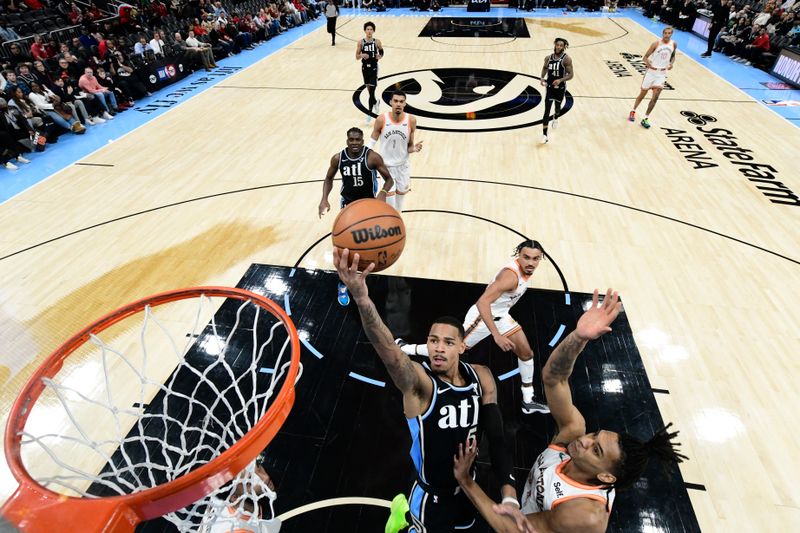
pixel 492 421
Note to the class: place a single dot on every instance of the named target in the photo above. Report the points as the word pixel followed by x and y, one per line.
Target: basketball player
pixel 556 71
pixel 357 164
pixel 659 59
pixel 572 485
pixel 396 129
pixel 239 508
pixel 369 51
pixel 445 401
pixel 490 316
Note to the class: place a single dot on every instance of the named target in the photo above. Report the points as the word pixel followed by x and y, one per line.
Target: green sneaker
pixel 397 517
pixel 645 123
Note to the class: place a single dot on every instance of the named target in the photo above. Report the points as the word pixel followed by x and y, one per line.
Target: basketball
pixel 373 229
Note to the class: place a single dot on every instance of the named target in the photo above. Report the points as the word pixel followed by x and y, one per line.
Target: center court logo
pixel 465 99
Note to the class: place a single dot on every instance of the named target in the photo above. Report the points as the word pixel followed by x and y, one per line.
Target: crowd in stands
pixel 753 34
pixel 67 66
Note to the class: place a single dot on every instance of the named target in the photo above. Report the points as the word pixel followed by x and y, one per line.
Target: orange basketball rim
pixel 34 508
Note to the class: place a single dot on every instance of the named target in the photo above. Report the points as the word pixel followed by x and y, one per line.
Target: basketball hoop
pixel 197 421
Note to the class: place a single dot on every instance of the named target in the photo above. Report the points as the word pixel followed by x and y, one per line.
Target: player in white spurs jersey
pixel 395 129
pixel 490 316
pixel 572 484
pixel 659 59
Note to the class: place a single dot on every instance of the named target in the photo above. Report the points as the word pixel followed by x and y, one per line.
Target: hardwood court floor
pixel 706 263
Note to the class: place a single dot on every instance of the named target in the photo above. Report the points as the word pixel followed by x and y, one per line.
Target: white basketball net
pixel 144 408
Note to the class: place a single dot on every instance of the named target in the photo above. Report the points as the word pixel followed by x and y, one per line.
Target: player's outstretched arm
pixel 491 421
pixel 327 185
pixel 579 515
pixel 502 523
pixel 593 324
pixel 407 375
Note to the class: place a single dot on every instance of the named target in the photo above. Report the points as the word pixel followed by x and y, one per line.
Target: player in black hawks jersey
pixel 572 484
pixel 556 71
pixel 446 402
pixel 358 165
pixel 369 51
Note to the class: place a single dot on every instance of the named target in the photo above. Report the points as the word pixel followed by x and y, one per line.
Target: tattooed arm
pixel 593 324
pixel 408 376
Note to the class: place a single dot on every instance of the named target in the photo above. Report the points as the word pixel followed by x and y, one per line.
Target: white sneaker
pixel 90 122
pixel 377 107
pixel 97 120
pixel 544 139
pixel 11 166
pixel 534 407
pixel 369 119
pixel 107 116
pixel 554 124
pixel 21 159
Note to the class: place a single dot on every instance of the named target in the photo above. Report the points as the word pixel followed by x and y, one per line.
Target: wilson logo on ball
pixel 374 234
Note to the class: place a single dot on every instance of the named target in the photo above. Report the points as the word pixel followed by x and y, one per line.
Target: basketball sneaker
pixel 545 139
pixel 554 124
pixel 646 123
pixel 344 296
pixel 397 517
pixel 534 407
pixel 632 116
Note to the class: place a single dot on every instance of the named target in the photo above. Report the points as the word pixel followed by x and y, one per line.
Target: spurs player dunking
pixel 659 59
pixel 395 129
pixel 572 484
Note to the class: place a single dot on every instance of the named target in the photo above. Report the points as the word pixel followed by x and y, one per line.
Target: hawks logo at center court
pixel 465 99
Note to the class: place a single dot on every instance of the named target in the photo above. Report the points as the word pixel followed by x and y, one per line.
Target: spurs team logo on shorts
pixel 465 99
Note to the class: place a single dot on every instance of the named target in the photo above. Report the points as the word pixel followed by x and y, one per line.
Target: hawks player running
pixel 369 51
pixel 572 485
pixel 357 164
pixel 557 69
pixel 659 59
pixel 396 129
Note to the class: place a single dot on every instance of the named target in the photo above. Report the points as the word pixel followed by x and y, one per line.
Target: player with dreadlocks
pixel 556 71
pixel 572 485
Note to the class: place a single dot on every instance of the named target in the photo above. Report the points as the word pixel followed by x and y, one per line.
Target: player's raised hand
pixel 349 274
pixel 463 459
pixel 597 320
